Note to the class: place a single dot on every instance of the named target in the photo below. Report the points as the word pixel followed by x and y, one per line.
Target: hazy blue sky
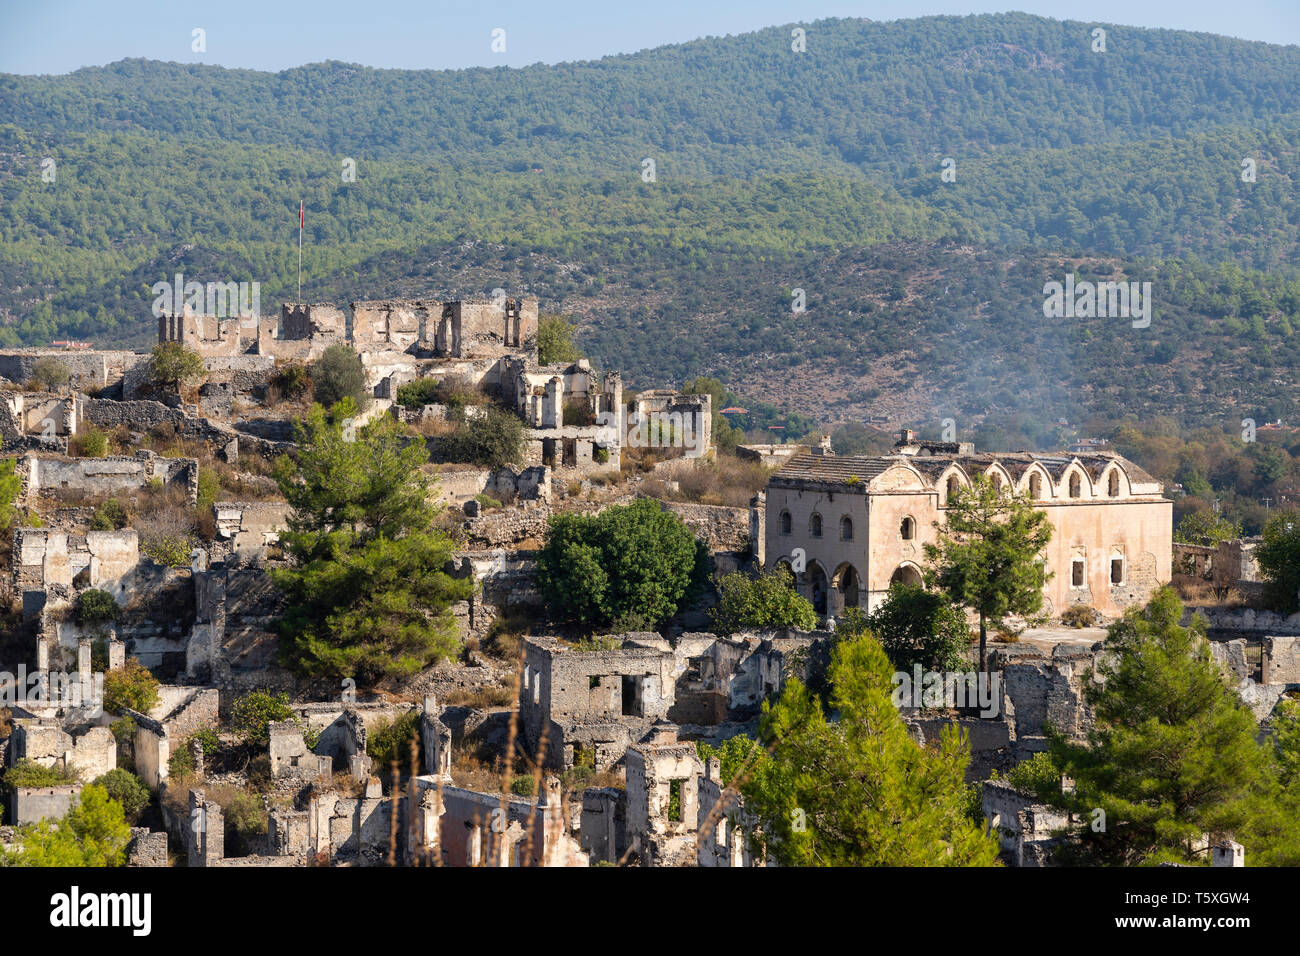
pixel 56 36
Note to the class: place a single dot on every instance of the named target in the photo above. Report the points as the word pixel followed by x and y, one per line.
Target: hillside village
pixel 148 533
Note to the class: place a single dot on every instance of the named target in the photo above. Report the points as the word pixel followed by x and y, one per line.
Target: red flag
pixel 301 221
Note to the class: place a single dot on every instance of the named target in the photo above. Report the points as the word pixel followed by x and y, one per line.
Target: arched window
pixel 907 529
pixel 1035 486
pixel 1076 486
pixel 846 528
pixel 1112 484
pixel 815 525
pixel 785 522
pixel 953 485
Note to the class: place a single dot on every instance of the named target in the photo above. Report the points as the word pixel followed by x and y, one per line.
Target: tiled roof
pixel 833 469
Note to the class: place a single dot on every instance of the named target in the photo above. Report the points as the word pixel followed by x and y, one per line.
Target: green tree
pixel 94 833
pixel 916 626
pixel 95 607
pixel 987 557
pixel 631 566
pixel 555 341
pixel 339 374
pixel 737 756
pixel 747 602
pixel 1173 754
pixel 391 740
pixel 1279 561
pixel 132 685
pixel 127 789
pixel 251 715
pixel 367 595
pixel 1206 528
pixel 492 437
pixel 859 791
pixel 49 373
pixel 172 365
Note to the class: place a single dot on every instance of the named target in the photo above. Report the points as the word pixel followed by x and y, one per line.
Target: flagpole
pixel 300 224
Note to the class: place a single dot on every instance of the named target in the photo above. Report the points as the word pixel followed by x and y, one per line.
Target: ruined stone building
pixel 460 328
pixel 862 521
pixel 569 411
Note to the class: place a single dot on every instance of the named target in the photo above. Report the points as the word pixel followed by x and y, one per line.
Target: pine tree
pixel 1173 756
pixel 367 596
pixel 93 833
pixel 987 557
pixel 858 790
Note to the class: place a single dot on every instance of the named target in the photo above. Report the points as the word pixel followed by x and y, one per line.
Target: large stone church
pixel 862 521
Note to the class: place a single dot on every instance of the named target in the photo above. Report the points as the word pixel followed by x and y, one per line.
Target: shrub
pixel 252 714
pixel 94 833
pixel 1077 615
pixel 339 374
pixel 90 442
pixel 245 822
pixel 208 740
pixel 10 486
pixel 131 685
pixel 123 730
pixel 504 637
pixel 493 438
pixel 768 600
pixel 127 789
pixel 28 773
pixel 209 488
pixel 49 373
pixel 522 786
pixel 170 550
pixel 391 739
pixel 1038 777
pixel 95 607
pixel 109 516
pixel 417 394
pixel 293 380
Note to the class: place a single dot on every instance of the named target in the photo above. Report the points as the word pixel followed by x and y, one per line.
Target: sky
pixel 58 36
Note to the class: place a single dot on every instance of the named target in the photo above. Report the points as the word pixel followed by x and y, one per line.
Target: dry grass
pixel 482 697
pixel 1197 591
pixel 723 480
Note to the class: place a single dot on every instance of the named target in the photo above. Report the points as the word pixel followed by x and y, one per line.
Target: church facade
pixel 862 521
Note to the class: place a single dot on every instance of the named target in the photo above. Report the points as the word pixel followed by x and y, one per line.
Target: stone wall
pixel 103 476
pixel 1281 660
pixel 89 368
pixel 34 804
pixel 250 526
pixel 46 559
pixel 720 528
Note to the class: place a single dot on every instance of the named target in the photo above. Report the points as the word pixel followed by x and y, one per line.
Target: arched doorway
pixel 817 588
pixel 847 587
pixel 907 574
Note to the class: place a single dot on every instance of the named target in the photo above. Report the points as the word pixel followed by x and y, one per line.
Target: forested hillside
pixel 774 171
